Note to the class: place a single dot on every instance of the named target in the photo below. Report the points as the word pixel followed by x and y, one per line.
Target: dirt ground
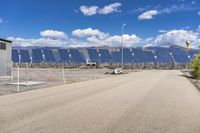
pixel 50 77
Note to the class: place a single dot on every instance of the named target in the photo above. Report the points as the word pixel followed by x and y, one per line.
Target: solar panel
pixel 49 57
pixel 150 57
pixel 64 55
pixel 25 56
pixel 77 56
pixel 15 56
pixel 37 56
pixel 116 56
pixel 127 55
pixel 56 55
pixel 162 55
pixel 93 55
pixel 139 55
pixel 179 55
pixel 105 56
pixel 191 53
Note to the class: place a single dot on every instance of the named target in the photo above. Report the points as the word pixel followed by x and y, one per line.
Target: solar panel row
pixel 47 56
pixel 130 55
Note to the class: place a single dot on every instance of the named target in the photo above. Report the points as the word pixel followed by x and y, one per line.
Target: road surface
pixel 141 102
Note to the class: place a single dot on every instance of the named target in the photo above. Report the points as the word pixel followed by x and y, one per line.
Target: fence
pixel 25 77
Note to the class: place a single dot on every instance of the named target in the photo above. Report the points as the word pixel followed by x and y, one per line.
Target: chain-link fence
pixel 28 78
pixel 5 71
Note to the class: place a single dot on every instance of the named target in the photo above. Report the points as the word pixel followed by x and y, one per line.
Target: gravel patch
pixel 51 77
pixel 194 81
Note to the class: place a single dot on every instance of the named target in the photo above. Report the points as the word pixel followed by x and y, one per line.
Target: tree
pixel 195 65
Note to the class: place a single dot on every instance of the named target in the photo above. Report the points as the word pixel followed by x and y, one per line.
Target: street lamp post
pixel 122 43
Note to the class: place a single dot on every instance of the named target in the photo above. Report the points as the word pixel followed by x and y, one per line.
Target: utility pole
pixel 123 26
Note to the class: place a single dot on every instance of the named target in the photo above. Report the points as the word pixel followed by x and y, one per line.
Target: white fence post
pixel 27 74
pixel 63 72
pixel 18 78
pixel 11 75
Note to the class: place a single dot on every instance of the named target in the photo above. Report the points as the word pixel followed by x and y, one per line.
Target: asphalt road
pixel 140 102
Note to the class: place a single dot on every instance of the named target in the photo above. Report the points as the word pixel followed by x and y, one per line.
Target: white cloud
pixel 110 8
pixel 92 10
pixel 86 37
pixel 157 10
pixel 41 42
pixel 53 34
pixel 1 20
pixel 181 7
pixel 89 11
pixel 162 31
pixel 148 15
pixel 174 37
pixel 198 29
pixel 178 37
pixel 115 40
pixel 129 40
pixel 198 13
pixel 51 38
pixel 88 32
pixel 98 38
pixel 94 37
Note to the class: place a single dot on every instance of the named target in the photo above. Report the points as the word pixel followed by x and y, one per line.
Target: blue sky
pixel 24 21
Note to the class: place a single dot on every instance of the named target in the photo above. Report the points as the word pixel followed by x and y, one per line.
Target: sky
pixel 84 23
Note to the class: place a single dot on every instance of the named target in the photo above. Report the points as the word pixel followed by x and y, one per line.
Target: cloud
pixel 89 11
pixel 53 34
pixel 81 38
pixel 163 31
pixel 98 38
pixel 174 37
pixel 198 13
pixel 50 38
pixel 177 37
pixel 148 15
pixel 108 9
pixel 40 42
pixel 129 40
pixel 2 20
pixel 88 32
pixel 157 10
pixel 181 7
pixel 198 29
pixel 114 41
pixel 93 37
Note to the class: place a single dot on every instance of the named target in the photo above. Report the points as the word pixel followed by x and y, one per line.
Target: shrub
pixel 195 65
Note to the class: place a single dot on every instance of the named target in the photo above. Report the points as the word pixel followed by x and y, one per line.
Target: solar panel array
pixel 93 55
pixel 147 55
pixel 139 55
pixel 127 55
pixel 179 55
pixel 76 56
pixel 48 55
pixel 105 56
pixel 117 56
pixel 24 56
pixel 15 56
pixel 162 55
pixel 64 55
pixel 37 56
pixel 192 52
